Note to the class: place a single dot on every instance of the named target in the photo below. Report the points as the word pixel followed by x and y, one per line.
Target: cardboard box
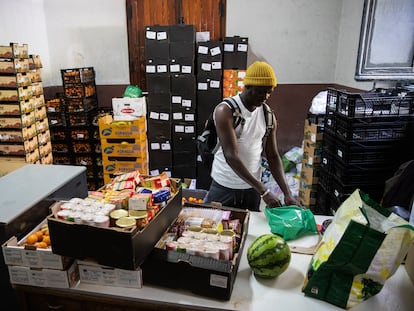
pixel 93 273
pixel 409 263
pixel 128 108
pixel 115 247
pixel 121 129
pixel 44 277
pixel 17 255
pixel 309 174
pixel 201 275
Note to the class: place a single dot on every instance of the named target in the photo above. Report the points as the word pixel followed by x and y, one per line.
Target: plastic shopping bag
pixel 359 251
pixel 291 222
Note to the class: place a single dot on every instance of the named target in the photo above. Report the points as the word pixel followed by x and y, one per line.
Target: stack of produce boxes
pixel 31 261
pixel 24 134
pixel 123 146
pixel 367 136
pixel 73 124
pixel 312 147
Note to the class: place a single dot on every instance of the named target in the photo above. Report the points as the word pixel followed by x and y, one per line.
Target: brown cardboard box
pixel 409 263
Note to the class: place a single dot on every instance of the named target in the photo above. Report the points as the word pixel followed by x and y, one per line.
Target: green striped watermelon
pixel 268 256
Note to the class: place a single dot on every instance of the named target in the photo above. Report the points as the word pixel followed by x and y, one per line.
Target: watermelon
pixel 268 256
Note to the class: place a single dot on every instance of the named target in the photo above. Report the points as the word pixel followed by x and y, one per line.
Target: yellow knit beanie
pixel 260 74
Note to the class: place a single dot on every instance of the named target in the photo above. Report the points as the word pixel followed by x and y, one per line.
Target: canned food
pixel 117 214
pixel 141 218
pixel 125 222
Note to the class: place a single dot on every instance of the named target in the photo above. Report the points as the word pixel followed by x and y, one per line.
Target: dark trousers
pixel 239 198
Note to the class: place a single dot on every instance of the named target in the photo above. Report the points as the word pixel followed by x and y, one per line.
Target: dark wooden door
pixel 206 15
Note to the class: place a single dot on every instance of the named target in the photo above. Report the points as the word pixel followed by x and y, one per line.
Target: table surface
pixel 251 293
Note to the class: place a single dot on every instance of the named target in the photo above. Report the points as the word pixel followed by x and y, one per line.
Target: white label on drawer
pixel 218 280
pixel 202 50
pixel 340 153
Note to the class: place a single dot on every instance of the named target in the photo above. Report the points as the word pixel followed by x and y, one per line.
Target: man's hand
pixel 271 200
pixel 289 200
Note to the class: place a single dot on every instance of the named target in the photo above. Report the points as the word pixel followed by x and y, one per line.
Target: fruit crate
pixel 78 75
pixel 377 103
pixel 79 90
pixel 83 118
pixel 73 105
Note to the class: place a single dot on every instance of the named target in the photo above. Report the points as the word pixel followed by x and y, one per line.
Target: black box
pixel 202 276
pixel 185 158
pixel 158 33
pixel 181 32
pixel 185 171
pixel 183 84
pixel 158 102
pixel 124 249
pixel 235 52
pixel 159 129
pixel 182 65
pixel 182 50
pixel 157 49
pixel 160 153
pixel 183 102
pixel 158 83
pixel 157 66
pixel 183 114
pixel 185 142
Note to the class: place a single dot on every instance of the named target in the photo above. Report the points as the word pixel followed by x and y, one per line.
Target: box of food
pixel 204 271
pixel 44 277
pixel 93 273
pixel 108 128
pixel 34 251
pixel 124 248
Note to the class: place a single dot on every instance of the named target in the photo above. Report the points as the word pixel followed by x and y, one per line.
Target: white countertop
pixel 250 293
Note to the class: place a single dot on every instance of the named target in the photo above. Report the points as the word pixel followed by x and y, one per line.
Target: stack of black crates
pixel 209 58
pixel 171 101
pixel 366 138
pixel 221 66
pixel 73 124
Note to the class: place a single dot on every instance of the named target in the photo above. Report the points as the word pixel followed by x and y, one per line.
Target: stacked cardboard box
pixel 124 146
pixel 24 134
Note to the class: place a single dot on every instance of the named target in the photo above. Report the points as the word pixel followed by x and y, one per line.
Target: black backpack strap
pixel 237 116
pixel 268 115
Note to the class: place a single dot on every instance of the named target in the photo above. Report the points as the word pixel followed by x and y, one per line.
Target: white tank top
pixel 250 150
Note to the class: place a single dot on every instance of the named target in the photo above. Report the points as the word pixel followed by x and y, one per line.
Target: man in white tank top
pixel 236 170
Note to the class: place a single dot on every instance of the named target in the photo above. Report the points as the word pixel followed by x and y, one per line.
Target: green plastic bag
pixel 291 222
pixel 133 91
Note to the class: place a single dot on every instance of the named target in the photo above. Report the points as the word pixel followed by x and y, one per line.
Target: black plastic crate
pixel 82 118
pixel 78 75
pixel 56 119
pixel 377 103
pixel 82 104
pixel 55 105
pixel 368 129
pixel 364 151
pixel 79 90
pixel 362 173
